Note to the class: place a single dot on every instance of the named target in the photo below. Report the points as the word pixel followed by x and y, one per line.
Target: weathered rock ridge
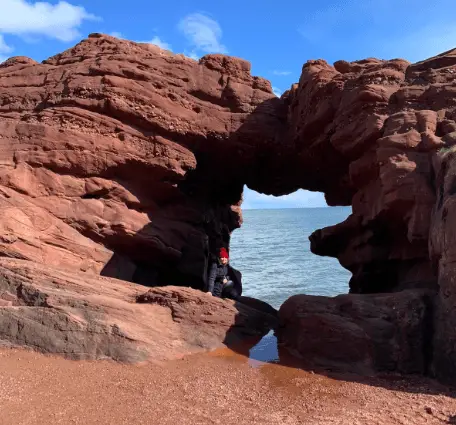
pixel 122 159
pixel 381 123
pixel 387 130
pixel 125 159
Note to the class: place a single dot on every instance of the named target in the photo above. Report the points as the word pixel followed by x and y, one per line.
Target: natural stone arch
pixel 119 145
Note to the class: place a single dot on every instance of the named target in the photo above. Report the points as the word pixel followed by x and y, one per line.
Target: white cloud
pixel 192 55
pixel 25 18
pixel 4 49
pixel 281 73
pixel 203 33
pixel 298 199
pixel 277 91
pixel 160 43
pixel 116 34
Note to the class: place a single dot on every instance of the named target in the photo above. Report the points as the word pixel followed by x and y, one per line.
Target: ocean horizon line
pixel 292 208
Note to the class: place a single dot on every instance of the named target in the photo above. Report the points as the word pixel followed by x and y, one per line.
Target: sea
pixel 272 251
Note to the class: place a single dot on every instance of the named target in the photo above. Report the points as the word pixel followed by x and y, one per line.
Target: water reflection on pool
pixel 265 351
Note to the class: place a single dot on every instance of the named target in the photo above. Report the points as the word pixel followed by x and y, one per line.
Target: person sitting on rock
pixel 220 285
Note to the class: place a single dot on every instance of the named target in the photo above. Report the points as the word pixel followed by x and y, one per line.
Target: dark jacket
pixel 236 277
pixel 217 273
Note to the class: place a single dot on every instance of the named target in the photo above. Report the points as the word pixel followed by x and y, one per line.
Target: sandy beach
pixel 217 388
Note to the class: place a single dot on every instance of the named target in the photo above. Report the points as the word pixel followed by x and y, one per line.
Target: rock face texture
pixel 122 159
pixel 443 255
pixel 360 333
pixel 383 123
pixel 389 129
pixel 380 123
pixel 93 317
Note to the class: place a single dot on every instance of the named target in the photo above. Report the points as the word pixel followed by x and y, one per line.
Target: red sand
pixel 217 388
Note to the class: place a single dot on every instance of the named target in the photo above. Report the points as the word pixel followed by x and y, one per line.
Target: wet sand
pixel 216 388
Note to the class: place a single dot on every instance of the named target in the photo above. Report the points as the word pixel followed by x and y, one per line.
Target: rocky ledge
pixel 93 317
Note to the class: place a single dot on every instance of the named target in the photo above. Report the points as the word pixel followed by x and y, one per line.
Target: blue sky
pixel 277 37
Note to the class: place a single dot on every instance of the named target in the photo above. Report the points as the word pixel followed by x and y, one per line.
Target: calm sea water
pixel 272 250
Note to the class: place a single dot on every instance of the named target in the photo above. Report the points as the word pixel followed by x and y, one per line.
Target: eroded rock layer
pixel 96 143
pixel 125 159
pixel 387 130
pixel 93 317
pixel 122 159
pixel 381 123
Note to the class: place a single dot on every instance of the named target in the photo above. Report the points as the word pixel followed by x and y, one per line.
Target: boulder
pixel 82 316
pixel 361 334
pixel 443 256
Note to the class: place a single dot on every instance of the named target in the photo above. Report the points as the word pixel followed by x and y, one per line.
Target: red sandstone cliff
pixel 380 136
pixel 381 123
pixel 123 159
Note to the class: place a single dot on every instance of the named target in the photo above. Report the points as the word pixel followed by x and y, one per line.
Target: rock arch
pixel 135 159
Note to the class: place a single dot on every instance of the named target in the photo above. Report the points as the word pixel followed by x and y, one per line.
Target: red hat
pixel 224 253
